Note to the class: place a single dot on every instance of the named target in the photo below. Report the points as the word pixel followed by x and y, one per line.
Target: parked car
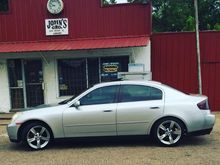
pixel 114 109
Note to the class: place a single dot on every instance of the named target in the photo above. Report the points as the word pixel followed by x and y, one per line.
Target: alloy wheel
pixel 38 137
pixel 169 132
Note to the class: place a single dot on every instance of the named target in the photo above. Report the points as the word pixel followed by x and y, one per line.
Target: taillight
pixel 203 105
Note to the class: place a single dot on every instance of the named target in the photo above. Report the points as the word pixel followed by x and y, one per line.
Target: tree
pixel 107 2
pixel 178 15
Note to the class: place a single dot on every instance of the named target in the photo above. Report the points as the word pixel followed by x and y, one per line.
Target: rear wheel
pixel 36 136
pixel 168 131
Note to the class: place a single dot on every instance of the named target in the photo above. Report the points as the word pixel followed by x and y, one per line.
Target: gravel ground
pixel 112 151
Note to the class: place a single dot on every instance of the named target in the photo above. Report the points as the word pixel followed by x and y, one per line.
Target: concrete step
pixel 4 122
pixel 6 116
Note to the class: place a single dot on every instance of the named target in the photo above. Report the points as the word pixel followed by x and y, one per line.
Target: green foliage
pixel 178 15
pixel 217 26
pixel 190 24
pixel 107 2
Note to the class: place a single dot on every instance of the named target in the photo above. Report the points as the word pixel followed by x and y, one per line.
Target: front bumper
pixel 12 130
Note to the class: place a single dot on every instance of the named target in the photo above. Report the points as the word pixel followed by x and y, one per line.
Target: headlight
pixel 15 116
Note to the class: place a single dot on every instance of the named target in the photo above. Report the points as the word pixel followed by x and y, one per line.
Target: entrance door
pixel 26 83
pixel 34 82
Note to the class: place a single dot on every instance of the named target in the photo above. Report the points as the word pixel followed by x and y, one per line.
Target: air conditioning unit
pixel 135 75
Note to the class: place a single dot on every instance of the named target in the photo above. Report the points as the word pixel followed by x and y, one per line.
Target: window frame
pixel 120 93
pixel 8 9
pixel 115 99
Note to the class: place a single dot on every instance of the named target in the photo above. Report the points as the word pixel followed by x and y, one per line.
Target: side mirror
pixel 76 104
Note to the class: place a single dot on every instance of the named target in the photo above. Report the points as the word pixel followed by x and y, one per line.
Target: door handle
pixel 107 111
pixel 154 107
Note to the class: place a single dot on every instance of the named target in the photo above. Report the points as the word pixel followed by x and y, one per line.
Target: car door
pixel 95 116
pixel 138 106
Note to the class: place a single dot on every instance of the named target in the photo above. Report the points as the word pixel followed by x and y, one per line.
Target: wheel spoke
pixel 42 130
pixel 162 136
pixel 177 132
pixel 172 124
pixel 45 138
pixel 162 127
pixel 171 139
pixel 31 140
pixel 33 131
pixel 38 143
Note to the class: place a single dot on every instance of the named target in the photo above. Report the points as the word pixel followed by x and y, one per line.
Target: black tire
pixel 168 131
pixel 36 136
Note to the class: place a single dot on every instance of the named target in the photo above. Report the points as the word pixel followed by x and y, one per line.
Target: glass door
pixel 16 83
pixel 34 82
pixel 26 83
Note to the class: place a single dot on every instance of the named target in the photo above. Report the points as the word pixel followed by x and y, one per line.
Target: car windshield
pixel 67 100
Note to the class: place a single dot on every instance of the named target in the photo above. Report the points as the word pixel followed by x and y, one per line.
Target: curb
pixel 3 124
pixel 5 118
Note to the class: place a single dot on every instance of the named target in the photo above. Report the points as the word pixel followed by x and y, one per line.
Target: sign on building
pixel 56 26
pixel 110 71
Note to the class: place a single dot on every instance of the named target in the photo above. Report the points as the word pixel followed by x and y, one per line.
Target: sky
pixel 121 1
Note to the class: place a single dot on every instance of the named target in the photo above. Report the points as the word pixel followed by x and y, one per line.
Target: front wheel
pixel 36 136
pixel 168 131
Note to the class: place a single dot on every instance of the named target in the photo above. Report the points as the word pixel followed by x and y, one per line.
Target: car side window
pixel 129 93
pixel 103 95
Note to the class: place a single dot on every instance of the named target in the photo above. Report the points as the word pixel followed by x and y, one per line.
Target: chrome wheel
pixel 38 137
pixel 169 132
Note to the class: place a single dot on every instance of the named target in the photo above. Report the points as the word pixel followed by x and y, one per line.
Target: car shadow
pixel 94 142
pixel 103 142
pixel 121 142
pixel 196 141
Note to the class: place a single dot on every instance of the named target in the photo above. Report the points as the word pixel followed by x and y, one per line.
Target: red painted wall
pixel 174 62
pixel 87 19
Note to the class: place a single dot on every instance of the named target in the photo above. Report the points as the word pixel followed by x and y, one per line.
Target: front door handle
pixel 107 111
pixel 154 107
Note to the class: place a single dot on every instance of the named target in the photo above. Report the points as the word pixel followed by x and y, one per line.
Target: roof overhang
pixel 68 45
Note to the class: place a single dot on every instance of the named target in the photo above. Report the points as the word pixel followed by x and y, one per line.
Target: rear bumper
pixel 200 132
pixel 209 122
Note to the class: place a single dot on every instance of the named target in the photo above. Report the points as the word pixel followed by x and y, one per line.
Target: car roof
pixel 141 82
pixel 138 82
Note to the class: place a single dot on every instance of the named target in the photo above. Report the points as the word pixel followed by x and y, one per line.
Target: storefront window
pixel 76 75
pixel 93 71
pixel 110 66
pixel 72 76
pixel 4 6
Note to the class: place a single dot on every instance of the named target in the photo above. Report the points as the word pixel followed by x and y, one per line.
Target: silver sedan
pixel 114 109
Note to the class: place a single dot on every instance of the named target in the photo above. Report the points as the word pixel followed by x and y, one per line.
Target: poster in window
pixel 110 71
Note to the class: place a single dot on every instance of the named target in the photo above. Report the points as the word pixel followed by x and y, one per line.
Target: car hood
pixel 41 106
pixel 44 113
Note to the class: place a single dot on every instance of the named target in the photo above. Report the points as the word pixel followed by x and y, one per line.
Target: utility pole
pixel 198 47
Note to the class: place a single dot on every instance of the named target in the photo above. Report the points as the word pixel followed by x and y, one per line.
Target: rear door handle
pixel 154 107
pixel 107 111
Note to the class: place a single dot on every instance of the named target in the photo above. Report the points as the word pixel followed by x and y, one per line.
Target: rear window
pixel 129 93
